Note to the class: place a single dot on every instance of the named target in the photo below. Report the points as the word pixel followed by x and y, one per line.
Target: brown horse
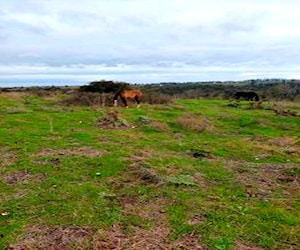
pixel 128 94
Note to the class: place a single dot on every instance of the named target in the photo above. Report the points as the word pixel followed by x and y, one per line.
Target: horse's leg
pixel 115 103
pixel 124 101
pixel 136 98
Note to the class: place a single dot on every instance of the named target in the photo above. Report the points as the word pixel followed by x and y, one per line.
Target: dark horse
pixel 250 96
pixel 128 94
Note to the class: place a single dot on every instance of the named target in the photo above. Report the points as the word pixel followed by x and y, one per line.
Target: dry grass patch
pixel 242 246
pixel 83 151
pixel 22 177
pixel 118 236
pixel 135 237
pixel 14 95
pixel 155 237
pixel 286 109
pixel 7 158
pixel 268 147
pixel 55 238
pixel 161 126
pixel 195 122
pixel 288 144
pixel 263 180
pixel 284 141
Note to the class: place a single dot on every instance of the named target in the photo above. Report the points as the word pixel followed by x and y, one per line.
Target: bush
pixel 89 99
pixel 104 86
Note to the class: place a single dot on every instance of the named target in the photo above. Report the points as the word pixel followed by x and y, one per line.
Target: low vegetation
pixel 186 174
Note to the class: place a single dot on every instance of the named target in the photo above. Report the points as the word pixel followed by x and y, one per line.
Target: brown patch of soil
pixel 83 151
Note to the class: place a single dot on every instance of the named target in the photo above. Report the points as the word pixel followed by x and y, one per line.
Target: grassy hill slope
pixel 194 174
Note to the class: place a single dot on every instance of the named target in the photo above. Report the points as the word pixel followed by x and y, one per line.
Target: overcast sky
pixel 142 41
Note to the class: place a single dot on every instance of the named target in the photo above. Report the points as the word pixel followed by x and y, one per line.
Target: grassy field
pixel 193 174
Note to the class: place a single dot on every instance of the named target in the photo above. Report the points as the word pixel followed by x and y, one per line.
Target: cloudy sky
pixel 142 41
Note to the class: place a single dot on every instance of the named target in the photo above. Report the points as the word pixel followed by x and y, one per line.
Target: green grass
pixel 59 169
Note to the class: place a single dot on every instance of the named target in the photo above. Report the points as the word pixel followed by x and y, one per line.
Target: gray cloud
pixel 191 38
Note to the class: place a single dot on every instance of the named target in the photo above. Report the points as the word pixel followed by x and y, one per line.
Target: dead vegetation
pixel 266 147
pixel 7 157
pixel 287 112
pixel 241 246
pixel 287 144
pixel 195 122
pixel 83 151
pixel 137 237
pixel 156 238
pixel 22 177
pixel 55 238
pixel 89 99
pixel 118 236
pixel 263 180
pixel 14 95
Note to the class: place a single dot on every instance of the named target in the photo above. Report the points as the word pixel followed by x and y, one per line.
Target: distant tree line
pixel 267 89
pixel 270 89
